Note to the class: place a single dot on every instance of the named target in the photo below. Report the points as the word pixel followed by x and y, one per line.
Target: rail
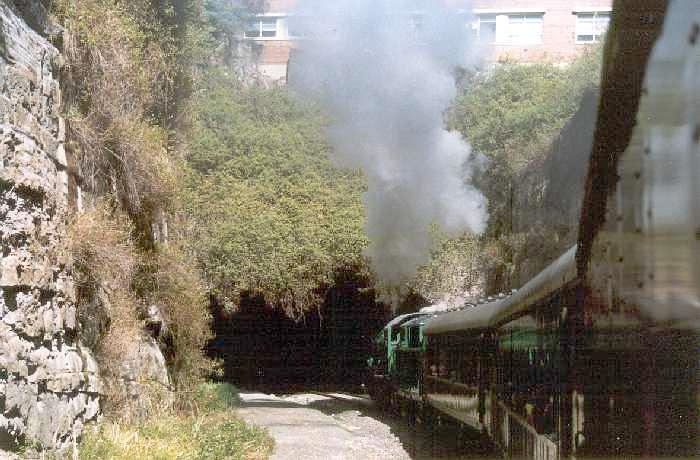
pixel 518 439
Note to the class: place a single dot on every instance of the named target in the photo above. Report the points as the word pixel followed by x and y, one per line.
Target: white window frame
pixel 596 36
pixel 260 21
pixel 492 19
pixel 416 22
pixel 417 26
pixel 507 11
pixel 523 19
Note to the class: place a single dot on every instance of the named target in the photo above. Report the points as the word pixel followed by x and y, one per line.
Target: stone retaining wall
pixel 49 381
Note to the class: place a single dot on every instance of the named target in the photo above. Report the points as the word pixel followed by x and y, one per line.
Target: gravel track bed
pixel 343 426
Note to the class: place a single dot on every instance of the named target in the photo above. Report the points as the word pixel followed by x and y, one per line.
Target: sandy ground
pixel 342 426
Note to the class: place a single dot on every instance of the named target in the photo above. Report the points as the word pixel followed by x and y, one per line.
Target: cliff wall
pixel 49 381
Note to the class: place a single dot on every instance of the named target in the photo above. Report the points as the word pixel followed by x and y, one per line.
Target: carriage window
pixel 395 333
pixel 528 356
pixel 414 338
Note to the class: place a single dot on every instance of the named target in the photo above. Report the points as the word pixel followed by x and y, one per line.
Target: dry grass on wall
pixel 104 260
pixel 167 279
pixel 118 84
pixel 114 279
pixel 127 158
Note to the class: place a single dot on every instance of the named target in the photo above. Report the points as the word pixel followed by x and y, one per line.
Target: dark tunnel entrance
pixel 262 348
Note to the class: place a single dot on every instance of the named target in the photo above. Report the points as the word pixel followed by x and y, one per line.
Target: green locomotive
pixel 395 346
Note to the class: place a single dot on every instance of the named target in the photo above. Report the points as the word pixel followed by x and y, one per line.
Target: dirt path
pixel 342 426
pixel 321 426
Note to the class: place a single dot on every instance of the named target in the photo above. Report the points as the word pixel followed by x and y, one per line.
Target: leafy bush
pixel 271 215
pixel 512 116
pixel 453 269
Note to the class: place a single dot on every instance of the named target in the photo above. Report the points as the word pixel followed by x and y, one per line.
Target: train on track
pixel 597 355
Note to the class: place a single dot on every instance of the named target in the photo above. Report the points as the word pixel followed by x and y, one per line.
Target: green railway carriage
pixel 542 385
pixel 597 355
pixel 500 367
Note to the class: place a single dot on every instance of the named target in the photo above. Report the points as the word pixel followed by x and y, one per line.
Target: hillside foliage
pixel 164 129
pixel 271 215
pixel 510 115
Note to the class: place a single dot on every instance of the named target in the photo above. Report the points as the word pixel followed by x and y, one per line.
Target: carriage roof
pixel 399 320
pixel 550 280
pixel 417 321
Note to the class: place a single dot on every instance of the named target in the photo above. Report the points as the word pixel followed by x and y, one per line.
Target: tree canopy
pixel 510 115
pixel 271 215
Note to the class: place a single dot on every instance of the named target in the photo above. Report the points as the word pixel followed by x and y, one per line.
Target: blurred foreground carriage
pixel 597 356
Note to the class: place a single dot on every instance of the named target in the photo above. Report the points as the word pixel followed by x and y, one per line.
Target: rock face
pixel 143 378
pixel 49 381
pixel 548 194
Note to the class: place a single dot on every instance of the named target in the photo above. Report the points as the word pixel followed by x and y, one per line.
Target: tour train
pixel 597 355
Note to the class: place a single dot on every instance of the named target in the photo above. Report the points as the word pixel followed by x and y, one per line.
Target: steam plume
pixel 385 70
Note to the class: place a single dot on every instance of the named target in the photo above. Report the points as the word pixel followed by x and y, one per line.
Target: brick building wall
pixel 558 24
pixel 276 51
pixel 524 30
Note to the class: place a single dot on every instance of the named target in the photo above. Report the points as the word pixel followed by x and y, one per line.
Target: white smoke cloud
pixel 385 68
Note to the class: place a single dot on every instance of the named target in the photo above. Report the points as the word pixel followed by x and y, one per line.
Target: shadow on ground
pixel 439 440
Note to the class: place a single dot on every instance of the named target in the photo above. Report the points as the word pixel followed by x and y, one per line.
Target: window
pixel 525 29
pixel 487 28
pixel 262 28
pixel 416 23
pixel 590 27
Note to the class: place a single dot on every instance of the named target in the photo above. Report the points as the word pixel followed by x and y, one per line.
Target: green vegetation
pixel 216 396
pixel 271 215
pixel 255 200
pixel 206 430
pixel 510 115
pixel 453 269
